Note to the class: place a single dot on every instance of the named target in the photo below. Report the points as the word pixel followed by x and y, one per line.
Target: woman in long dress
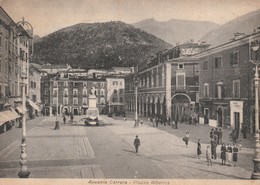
pixel 229 154
pixel 199 149
pixel 223 154
pixel 235 151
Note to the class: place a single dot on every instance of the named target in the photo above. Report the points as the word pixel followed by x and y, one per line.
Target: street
pixel 107 151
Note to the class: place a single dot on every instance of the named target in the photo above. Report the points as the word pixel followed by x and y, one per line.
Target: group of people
pixel 228 153
pixel 70 116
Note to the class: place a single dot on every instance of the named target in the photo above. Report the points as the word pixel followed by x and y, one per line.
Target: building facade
pixel 167 84
pixel 226 82
pixel 14 63
pixel 116 95
pixel 70 95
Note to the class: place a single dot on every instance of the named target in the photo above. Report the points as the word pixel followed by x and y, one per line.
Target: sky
pixel 47 16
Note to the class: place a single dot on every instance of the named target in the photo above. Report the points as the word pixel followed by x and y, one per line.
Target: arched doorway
pixel 148 106
pixel 181 107
pixel 164 107
pixel 158 106
pixel 153 106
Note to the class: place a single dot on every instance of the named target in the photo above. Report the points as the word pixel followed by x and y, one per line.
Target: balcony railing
pixel 180 88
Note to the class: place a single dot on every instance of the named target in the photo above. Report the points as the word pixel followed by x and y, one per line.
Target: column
pixel 168 70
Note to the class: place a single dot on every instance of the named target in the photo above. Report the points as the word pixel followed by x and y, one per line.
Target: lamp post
pixel 24 26
pixel 256 160
pixel 136 112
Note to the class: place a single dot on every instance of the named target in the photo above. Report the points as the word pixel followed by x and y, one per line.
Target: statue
pixel 93 91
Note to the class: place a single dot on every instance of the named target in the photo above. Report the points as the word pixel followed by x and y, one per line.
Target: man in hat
pixel 137 143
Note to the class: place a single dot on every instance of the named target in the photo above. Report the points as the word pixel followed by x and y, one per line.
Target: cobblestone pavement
pixel 165 147
pixel 107 151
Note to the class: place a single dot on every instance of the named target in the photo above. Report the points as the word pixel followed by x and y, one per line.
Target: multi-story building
pixel 226 82
pixel 115 94
pixel 14 61
pixel 168 83
pixel 70 95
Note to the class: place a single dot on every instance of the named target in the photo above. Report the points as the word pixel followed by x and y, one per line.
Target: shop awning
pixel 20 109
pixel 36 107
pixel 8 115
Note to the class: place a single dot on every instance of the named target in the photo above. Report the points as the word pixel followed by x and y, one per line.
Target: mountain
pixel 224 33
pixel 98 45
pixel 176 31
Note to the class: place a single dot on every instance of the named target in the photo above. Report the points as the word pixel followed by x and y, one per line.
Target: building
pixel 14 63
pixel 115 94
pixel 226 96
pixel 53 69
pixel 167 84
pixel 70 95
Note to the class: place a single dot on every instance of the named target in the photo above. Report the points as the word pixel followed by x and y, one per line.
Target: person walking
pixel 216 135
pixel 64 119
pixel 156 121
pixel 220 136
pixel 208 155
pixel 137 143
pixel 229 154
pixel 211 133
pixel 186 139
pixel 198 148
pixel 235 153
pixel 212 146
pixel 223 154
pixel 71 118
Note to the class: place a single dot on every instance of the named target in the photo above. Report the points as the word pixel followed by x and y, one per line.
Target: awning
pixel 36 107
pixel 8 115
pixel 20 109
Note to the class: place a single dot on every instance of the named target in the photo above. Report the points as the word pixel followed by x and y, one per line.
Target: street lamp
pixel 24 26
pixel 136 82
pixel 256 160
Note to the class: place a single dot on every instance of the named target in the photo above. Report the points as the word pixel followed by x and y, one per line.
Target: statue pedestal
pixel 92 106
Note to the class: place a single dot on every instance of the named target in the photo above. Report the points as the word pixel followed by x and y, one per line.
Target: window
pixel 115 91
pixel 85 92
pixel 120 83
pixel 114 99
pixel 115 83
pixel 102 92
pixel 75 101
pixel 75 92
pixel 219 90
pixel 206 90
pixel 34 98
pixel 205 65
pixel 84 101
pixel 85 84
pixel 218 62
pixel 46 100
pixel 102 84
pixel 234 58
pixel 46 84
pixel 236 89
pixel 46 92
pixel 55 83
pixel 121 91
pixel 65 101
pixel 121 99
pixel 54 91
pixel 180 81
pixel 54 101
pixel 65 92
pixel 102 100
pixel 65 84
pixel 180 66
pixel 75 84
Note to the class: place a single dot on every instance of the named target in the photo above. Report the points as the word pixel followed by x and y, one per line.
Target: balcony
pixel 180 88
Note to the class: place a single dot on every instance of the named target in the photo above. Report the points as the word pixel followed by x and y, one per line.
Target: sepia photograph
pixel 129 91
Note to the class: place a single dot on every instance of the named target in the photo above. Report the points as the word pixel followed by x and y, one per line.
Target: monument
pixel 92 103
